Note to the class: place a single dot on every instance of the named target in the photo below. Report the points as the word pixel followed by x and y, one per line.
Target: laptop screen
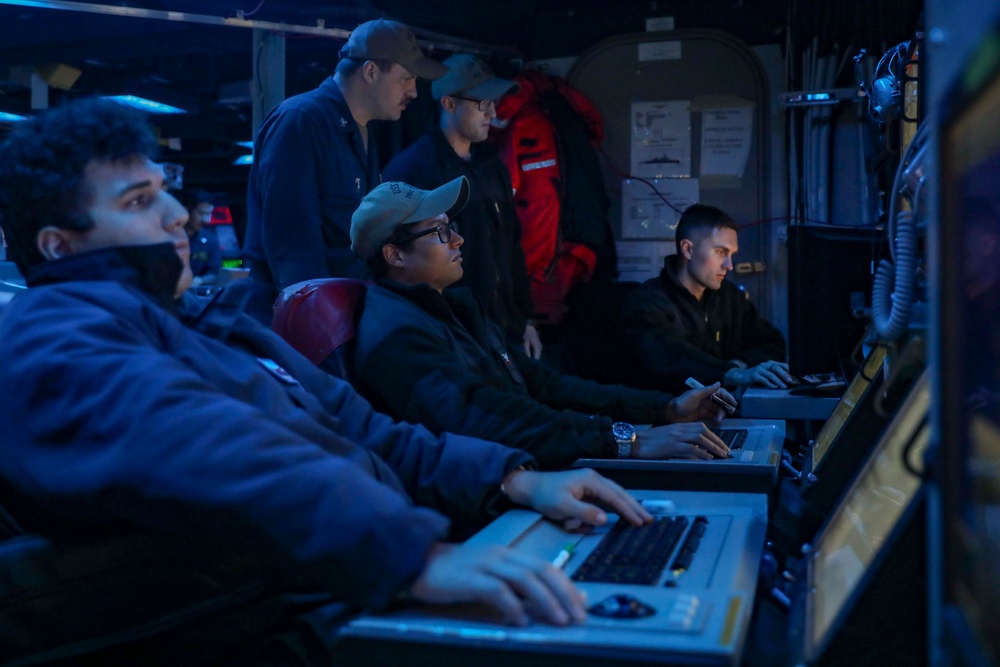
pixel 848 402
pixel 866 518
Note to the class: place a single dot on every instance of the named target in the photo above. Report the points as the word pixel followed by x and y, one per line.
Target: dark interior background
pixel 208 68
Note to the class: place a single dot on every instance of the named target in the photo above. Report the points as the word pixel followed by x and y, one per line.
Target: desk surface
pixel 762 403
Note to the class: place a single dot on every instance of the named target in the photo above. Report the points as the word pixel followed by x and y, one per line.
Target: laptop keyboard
pixel 733 437
pixel 638 554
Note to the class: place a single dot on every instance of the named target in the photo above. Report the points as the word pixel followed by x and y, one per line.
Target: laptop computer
pixel 755 445
pixel 870 540
pixel 701 596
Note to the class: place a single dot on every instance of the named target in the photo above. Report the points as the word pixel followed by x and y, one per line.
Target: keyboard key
pixel 633 554
pixel 691 544
pixel 734 438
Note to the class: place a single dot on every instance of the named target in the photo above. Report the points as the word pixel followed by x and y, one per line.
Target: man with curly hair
pixel 200 492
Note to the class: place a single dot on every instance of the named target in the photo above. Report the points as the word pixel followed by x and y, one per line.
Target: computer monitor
pixel 842 449
pixel 848 405
pixel 227 241
pixel 969 359
pixel 850 552
pixel 833 266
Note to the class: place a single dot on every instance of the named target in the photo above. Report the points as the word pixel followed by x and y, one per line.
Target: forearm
pixel 618 402
pixel 673 361
pixel 239 474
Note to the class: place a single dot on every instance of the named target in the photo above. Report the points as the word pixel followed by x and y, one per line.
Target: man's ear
pixel 392 256
pixel 369 70
pixel 55 242
pixel 448 104
pixel 686 248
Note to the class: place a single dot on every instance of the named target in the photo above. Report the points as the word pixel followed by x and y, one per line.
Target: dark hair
pixel 377 268
pixel 348 66
pixel 701 217
pixel 42 165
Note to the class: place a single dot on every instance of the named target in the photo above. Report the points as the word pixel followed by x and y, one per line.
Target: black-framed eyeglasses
pixel 444 231
pixel 483 105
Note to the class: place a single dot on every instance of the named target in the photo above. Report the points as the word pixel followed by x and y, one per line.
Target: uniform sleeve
pixel 289 173
pixel 505 142
pixel 454 474
pixel 667 359
pixel 436 388
pixel 618 402
pixel 107 427
pixel 761 340
pixel 407 168
pixel 520 282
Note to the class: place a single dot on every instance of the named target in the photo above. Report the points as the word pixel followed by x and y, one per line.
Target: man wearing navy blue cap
pixel 315 158
pixel 457 146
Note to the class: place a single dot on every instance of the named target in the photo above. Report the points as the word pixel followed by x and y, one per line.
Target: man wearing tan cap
pixel 426 352
pixel 456 147
pixel 314 160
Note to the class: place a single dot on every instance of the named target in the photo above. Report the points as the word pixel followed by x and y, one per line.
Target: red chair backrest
pixel 318 316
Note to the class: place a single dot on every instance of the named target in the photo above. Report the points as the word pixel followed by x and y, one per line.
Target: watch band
pixel 624 434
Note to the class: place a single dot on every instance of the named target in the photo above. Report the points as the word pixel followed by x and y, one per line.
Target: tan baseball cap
pixel 392 204
pixel 471 77
pixel 389 40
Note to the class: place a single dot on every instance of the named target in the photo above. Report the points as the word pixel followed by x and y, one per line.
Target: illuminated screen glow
pixel 865 518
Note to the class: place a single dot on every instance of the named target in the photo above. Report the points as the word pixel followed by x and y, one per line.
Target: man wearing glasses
pixel 456 146
pixel 316 156
pixel 427 353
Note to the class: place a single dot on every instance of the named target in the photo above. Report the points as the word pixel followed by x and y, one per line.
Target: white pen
pixel 694 384
pixel 563 555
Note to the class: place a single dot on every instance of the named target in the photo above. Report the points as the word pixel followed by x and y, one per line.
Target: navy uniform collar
pixel 481 151
pixel 154 269
pixel 668 274
pixel 343 119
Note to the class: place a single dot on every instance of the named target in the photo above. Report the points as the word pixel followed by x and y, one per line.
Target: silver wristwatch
pixel 625 437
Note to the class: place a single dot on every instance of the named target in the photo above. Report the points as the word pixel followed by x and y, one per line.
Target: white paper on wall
pixel 725 141
pixel 661 139
pixel 645 214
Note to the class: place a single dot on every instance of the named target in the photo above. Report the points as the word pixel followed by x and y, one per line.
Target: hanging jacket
pixel 556 250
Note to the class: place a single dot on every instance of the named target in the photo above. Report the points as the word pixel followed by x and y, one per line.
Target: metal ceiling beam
pixel 435 41
pixel 183 17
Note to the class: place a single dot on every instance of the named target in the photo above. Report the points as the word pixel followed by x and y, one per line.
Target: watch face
pixel 623 431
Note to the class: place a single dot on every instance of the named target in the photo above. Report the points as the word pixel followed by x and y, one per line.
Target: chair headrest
pixel 318 316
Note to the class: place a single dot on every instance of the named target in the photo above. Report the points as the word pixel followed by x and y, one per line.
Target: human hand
pixel 693 440
pixel 532 343
pixel 517 585
pixel 570 497
pixel 771 374
pixel 697 405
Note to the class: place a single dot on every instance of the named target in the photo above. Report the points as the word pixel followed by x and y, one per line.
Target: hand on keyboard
pixel 771 374
pixel 694 440
pixel 575 497
pixel 516 584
